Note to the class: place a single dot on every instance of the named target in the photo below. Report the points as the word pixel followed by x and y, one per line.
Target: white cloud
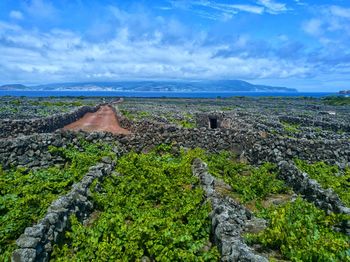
pixel 143 46
pixel 40 9
pixel 16 15
pixel 330 25
pixel 216 11
pixel 313 27
pixel 230 8
pixel 340 11
pixel 298 2
pixel 273 7
pixel 283 38
pixel 249 8
pixel 65 56
pixel 4 26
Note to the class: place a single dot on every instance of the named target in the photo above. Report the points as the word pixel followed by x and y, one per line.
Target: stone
pixel 52 218
pixel 145 259
pixel 255 225
pixel 30 153
pixel 228 220
pixel 24 255
pixel 36 231
pixel 106 160
pixel 48 247
pixel 27 242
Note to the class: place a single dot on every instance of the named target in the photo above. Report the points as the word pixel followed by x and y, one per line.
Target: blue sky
pixel 303 44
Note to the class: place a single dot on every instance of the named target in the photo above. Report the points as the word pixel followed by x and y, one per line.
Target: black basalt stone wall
pixel 318 123
pixel 12 128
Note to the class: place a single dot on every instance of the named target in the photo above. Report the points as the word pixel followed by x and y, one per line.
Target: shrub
pixel 336 100
pixel 291 128
pixel 303 232
pixel 250 183
pixel 329 176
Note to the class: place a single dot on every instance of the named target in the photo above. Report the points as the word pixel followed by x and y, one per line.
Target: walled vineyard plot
pixel 329 176
pixel 278 191
pixel 297 230
pixel 27 193
pixel 154 209
pixel 20 108
pixel 35 244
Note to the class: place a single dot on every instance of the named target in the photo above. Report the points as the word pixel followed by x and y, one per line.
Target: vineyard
pixel 26 194
pixel 175 189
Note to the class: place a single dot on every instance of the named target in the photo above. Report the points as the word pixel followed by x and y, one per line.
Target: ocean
pixel 160 94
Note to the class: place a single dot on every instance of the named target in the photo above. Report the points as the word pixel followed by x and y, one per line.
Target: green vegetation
pixel 58 103
pixel 249 183
pixel 299 230
pixel 154 209
pixel 336 100
pixel 9 109
pixel 25 195
pixel 290 128
pixel 303 232
pixel 135 115
pixel 26 108
pixel 318 130
pixel 329 176
pixel 15 102
pixel 187 124
pixel 227 108
pixel 127 114
pixel 142 114
pixel 187 121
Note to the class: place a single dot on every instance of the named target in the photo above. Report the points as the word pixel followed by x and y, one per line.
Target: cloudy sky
pixel 303 44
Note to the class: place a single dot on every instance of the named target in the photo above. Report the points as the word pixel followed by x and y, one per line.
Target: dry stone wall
pixel 276 148
pixel 326 199
pixel 36 243
pixel 257 148
pixel 12 128
pixel 251 145
pixel 317 123
pixel 229 220
pixel 32 151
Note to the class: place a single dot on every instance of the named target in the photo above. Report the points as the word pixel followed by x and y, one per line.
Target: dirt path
pixel 102 120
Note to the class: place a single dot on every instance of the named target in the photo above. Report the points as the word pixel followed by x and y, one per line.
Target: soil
pixel 103 120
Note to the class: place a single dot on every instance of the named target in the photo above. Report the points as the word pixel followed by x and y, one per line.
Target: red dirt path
pixel 103 120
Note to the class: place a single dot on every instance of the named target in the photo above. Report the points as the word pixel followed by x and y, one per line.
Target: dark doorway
pixel 213 123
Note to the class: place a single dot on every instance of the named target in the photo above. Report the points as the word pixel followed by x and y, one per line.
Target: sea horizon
pixel 157 94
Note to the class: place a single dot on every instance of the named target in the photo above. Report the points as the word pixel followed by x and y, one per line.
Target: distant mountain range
pixel 154 86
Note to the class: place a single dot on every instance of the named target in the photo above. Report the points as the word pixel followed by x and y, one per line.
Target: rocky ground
pixel 24 108
pixel 285 156
pixel 294 117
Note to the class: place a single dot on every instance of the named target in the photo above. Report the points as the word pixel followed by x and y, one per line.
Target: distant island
pixel 344 92
pixel 154 86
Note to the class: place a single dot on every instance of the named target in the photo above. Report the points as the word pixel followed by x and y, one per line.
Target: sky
pixel 303 44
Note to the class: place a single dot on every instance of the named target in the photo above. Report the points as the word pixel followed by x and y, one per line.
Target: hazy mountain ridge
pixel 13 87
pixel 153 86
